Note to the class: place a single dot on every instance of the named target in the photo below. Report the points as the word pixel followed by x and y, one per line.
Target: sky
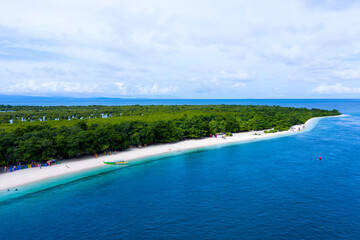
pixel 180 49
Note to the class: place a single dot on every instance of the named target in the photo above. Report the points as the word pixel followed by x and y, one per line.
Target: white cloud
pixel 347 74
pixel 148 47
pixel 287 53
pixel 33 86
pixel 156 90
pixel 121 87
pixel 229 80
pixel 337 88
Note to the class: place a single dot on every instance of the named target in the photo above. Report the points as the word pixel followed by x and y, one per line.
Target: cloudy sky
pixel 181 49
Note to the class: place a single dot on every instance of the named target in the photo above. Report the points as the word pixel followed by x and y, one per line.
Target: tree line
pixel 42 140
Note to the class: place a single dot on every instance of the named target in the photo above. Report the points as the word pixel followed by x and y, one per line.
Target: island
pixel 86 136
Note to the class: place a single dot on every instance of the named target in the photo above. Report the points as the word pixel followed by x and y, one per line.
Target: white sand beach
pixel 26 176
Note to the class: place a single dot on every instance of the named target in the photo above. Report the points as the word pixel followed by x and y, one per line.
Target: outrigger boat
pixel 118 162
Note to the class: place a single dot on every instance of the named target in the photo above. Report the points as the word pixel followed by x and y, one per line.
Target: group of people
pixel 32 165
pixel 105 153
pixel 19 167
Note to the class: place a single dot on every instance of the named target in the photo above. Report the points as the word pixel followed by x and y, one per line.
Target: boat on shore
pixel 117 162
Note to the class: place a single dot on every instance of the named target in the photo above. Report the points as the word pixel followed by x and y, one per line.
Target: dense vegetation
pixel 33 133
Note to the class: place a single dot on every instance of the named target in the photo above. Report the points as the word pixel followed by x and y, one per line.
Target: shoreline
pixel 134 155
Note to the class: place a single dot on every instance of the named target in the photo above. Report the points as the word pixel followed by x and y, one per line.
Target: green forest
pixel 36 133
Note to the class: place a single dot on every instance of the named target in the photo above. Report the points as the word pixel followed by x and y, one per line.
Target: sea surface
pixel 274 189
pixel 67 101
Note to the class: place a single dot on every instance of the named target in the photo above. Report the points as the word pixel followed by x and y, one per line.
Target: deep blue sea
pixel 274 189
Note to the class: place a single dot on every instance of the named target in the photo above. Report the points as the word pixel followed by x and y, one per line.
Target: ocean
pixel 274 189
pixel 340 104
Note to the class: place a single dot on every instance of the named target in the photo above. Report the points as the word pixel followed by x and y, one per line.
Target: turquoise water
pixel 275 189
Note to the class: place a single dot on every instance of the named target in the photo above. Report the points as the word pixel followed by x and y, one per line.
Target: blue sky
pixel 181 49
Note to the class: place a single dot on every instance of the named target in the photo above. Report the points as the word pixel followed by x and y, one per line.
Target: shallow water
pixel 276 189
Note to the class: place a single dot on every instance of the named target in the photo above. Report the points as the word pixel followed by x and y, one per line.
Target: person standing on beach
pixel 5 169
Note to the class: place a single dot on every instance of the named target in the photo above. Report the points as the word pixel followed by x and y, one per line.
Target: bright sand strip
pixel 26 176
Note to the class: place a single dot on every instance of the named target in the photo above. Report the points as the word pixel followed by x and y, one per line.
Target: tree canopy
pixel 35 133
